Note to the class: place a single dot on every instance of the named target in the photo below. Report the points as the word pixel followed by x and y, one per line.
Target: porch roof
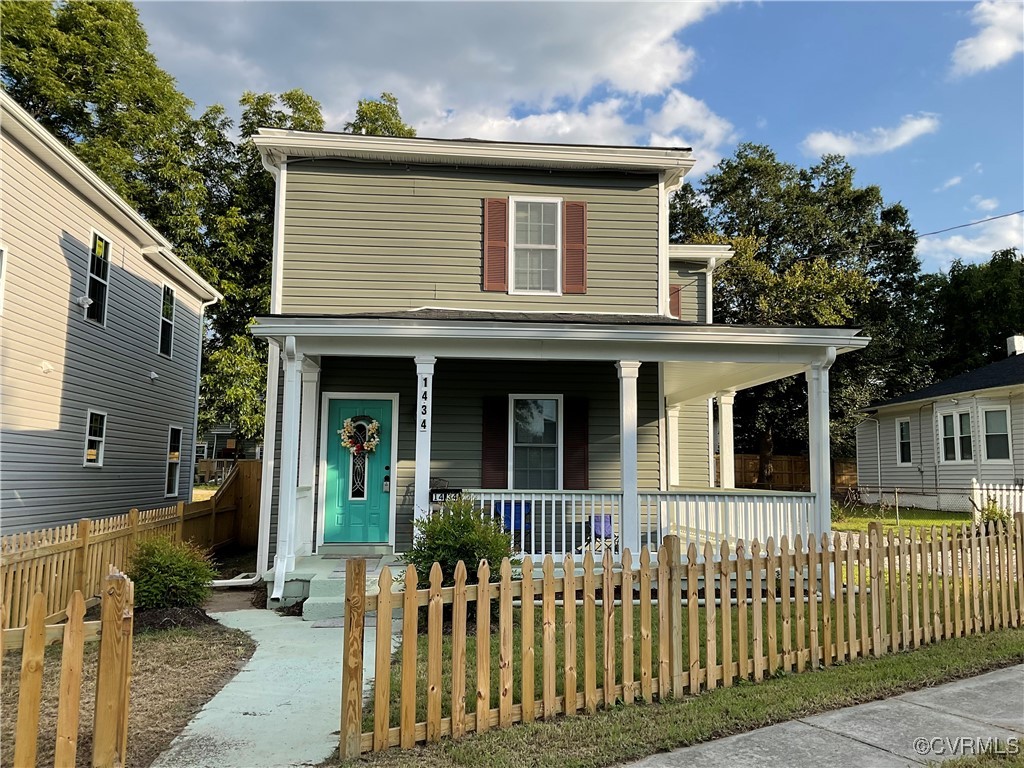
pixel 702 358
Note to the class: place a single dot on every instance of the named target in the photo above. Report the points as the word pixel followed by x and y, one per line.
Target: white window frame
pixel 164 321
pixel 103 440
pixel 957 435
pixel 89 276
pixel 177 464
pixel 512 438
pixel 559 245
pixel 910 430
pixel 984 436
pixel 200 447
pixel 4 253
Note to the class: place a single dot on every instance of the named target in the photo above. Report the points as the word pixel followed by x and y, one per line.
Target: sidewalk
pixel 282 709
pixel 912 729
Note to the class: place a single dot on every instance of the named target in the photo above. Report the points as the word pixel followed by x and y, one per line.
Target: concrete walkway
pixel 282 709
pixel 930 725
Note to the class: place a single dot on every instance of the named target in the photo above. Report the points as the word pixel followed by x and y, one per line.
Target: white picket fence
pixel 1009 498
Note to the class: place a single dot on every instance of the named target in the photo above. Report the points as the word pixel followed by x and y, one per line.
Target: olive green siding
pixel 692 304
pixel 361 236
pixel 694 468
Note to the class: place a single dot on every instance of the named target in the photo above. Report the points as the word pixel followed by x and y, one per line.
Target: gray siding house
pixel 508 320
pixel 932 443
pixel 101 328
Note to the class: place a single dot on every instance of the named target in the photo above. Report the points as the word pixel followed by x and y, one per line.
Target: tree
pixel 977 306
pixel 812 248
pixel 380 117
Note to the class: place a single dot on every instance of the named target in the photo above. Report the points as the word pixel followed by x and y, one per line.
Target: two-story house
pixel 509 320
pixel 102 327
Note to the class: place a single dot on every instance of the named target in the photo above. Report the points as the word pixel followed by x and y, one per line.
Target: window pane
pixel 536 223
pixel 535 468
pixel 904 431
pixel 174 445
pixel 995 423
pixel 172 480
pixel 92 451
pixel 949 448
pixel 997 446
pixel 166 336
pixel 947 426
pixel 97 424
pixel 905 452
pixel 167 310
pixel 966 451
pixel 98 293
pixel 536 422
pixel 965 423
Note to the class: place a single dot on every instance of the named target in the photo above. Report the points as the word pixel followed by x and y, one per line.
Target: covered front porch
pixel 646 381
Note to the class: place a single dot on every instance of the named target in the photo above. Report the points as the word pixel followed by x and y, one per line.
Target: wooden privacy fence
pixel 572 640
pixel 113 675
pixel 791 473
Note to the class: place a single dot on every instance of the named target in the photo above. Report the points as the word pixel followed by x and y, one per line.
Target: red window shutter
pixel 574 247
pixel 673 300
pixel 494 448
pixel 576 451
pixel 495 244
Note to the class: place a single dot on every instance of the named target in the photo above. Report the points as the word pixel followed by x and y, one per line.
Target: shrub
pixel 170 574
pixel 459 531
pixel 991 512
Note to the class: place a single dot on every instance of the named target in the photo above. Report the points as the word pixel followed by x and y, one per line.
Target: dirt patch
pixel 171 618
pixel 234 599
pixel 174 672
pixel 295 609
pixel 234 562
pixel 259 596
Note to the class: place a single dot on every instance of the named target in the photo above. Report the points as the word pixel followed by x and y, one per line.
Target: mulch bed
pixel 170 618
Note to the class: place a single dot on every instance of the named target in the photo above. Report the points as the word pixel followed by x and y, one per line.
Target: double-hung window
pixel 99 279
pixel 997 434
pixel 956 437
pixel 167 321
pixel 173 461
pixel 904 454
pixel 95 438
pixel 536 437
pixel 536 239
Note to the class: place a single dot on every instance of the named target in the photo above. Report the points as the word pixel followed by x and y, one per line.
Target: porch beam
pixel 629 371
pixel 284 561
pixel 819 446
pixel 424 421
pixel 726 452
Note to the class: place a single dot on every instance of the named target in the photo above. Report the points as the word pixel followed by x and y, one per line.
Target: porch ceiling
pixel 698 380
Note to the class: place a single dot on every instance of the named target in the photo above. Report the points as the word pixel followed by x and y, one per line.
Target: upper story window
pixel 173 461
pixel 167 321
pixel 536 441
pixel 99 279
pixel 956 437
pixel 95 438
pixel 536 245
pixel 997 434
pixel 904 454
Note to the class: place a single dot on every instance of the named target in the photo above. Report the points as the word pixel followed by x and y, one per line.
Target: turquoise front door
pixel 357 507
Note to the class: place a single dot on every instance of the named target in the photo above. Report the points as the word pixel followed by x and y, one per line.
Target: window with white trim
pixel 99 279
pixel 536 437
pixel 167 321
pixel 904 454
pixel 536 244
pixel 201 451
pixel 956 437
pixel 95 438
pixel 997 434
pixel 173 461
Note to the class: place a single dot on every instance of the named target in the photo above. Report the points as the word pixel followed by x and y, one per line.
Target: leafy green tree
pixel 380 117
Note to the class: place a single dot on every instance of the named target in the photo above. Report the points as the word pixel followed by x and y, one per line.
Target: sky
pixel 925 99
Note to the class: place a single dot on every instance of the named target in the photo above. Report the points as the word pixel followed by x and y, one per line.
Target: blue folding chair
pixel 514 519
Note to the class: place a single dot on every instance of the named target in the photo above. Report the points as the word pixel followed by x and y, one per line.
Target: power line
pixel 970 224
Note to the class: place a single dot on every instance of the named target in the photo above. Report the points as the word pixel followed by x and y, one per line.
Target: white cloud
pixel 875 142
pixel 948 184
pixel 972 244
pixel 686 121
pixel 985 204
pixel 1000 38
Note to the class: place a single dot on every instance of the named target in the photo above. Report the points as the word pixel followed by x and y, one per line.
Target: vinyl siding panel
pixel 692 302
pixel 56 365
pixel 361 235
pixel 694 429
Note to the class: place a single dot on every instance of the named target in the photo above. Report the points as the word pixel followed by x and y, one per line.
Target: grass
pixel 1004 756
pixel 629 733
pixel 858 518
pixel 174 672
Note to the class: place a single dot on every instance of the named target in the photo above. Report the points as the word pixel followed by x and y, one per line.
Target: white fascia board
pixel 182 274
pixel 712 254
pixel 277 144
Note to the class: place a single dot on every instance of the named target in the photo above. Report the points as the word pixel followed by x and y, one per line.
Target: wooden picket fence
pixel 672 624
pixel 113 675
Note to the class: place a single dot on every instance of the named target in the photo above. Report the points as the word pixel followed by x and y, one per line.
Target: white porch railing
pixel 569 522
pixel 716 514
pixel 1009 498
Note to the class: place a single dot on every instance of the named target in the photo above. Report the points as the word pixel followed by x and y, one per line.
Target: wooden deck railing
pixel 575 639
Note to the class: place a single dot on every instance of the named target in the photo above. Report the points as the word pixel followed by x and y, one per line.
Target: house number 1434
pixel 424 406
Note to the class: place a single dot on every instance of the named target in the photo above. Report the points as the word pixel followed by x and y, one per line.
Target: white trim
pixel 4 255
pixel 910 441
pixel 177 464
pixel 713 254
pixel 270 443
pixel 196 448
pixel 664 304
pixel 664 473
pixel 321 493
pixel 512 443
pixel 711 442
pixel 277 261
pixel 567 311
pixel 103 440
pixel 174 311
pixel 89 276
pixel 955 412
pixel 984 434
pixel 559 255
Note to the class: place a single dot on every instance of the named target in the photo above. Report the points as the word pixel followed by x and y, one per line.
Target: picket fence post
pixel 352 669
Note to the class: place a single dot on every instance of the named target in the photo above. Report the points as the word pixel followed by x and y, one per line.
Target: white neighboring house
pixel 931 444
pixel 102 327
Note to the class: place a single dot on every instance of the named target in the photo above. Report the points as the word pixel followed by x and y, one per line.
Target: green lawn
pixel 858 518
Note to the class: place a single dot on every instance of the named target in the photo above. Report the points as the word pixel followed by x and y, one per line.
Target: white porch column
pixel 307 458
pixel 424 420
pixel 672 445
pixel 284 561
pixel 629 534
pixel 726 454
pixel 819 447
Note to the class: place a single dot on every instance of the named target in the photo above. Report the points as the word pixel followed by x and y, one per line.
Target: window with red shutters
pixel 576 450
pixel 495 257
pixel 494 446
